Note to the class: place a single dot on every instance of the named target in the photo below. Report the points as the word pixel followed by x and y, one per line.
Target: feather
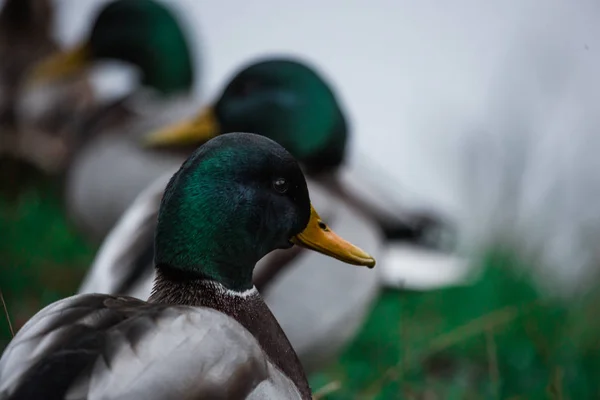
pixel 102 346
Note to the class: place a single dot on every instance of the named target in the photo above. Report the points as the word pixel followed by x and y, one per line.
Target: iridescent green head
pixel 282 99
pixel 235 199
pixel 144 33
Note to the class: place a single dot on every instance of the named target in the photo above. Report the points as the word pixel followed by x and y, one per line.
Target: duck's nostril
pixel 323 225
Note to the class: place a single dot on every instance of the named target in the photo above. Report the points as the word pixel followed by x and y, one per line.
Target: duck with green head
pixel 205 332
pixel 292 104
pixel 143 33
pixel 280 98
pixel 109 168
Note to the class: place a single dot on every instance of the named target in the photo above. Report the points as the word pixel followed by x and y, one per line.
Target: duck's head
pixel 282 99
pixel 234 200
pixel 141 32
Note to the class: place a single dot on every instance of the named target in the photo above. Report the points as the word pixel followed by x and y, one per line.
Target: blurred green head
pixel 282 99
pixel 144 33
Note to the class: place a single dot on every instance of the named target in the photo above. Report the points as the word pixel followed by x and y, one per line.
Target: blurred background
pixel 482 116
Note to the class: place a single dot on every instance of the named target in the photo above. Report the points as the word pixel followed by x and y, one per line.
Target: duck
pixel 287 100
pixel 109 168
pixel 205 332
pixel 35 123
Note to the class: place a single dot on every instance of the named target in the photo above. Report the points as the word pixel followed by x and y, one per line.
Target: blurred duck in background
pixel 289 102
pixel 110 168
pixel 35 122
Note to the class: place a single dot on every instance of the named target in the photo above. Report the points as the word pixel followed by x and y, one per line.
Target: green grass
pixel 497 339
pixel 42 257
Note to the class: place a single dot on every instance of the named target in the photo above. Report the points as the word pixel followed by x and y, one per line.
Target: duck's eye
pixel 280 185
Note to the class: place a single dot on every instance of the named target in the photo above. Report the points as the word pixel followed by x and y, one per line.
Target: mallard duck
pixel 110 169
pixel 34 124
pixel 205 332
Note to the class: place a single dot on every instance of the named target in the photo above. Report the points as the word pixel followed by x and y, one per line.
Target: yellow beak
pixel 196 130
pixel 318 237
pixel 60 65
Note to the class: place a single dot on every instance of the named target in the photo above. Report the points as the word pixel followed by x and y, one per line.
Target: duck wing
pixel 107 347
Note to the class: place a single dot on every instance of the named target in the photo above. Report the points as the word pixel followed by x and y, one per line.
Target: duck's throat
pixel 247 307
